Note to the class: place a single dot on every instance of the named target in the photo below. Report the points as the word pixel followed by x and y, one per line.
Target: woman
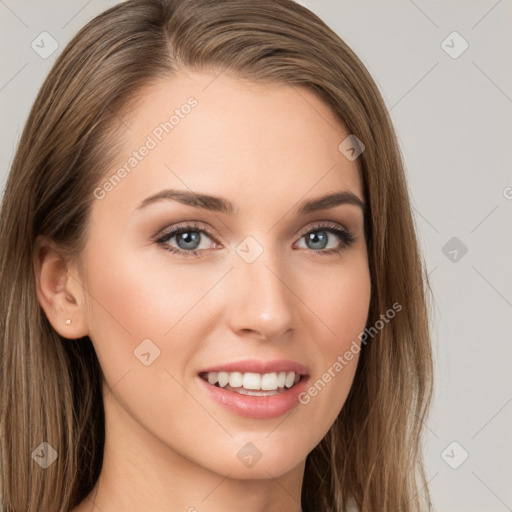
pixel 212 293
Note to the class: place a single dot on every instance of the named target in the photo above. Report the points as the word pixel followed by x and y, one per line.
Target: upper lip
pixel 259 366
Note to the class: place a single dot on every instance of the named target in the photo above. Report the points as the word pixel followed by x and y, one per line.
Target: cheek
pixel 142 309
pixel 342 307
pixel 144 296
pixel 133 300
pixel 341 302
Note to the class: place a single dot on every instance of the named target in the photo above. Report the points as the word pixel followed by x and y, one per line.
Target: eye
pixel 321 238
pixel 189 239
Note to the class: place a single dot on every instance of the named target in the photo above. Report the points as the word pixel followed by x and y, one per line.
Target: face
pixel 214 317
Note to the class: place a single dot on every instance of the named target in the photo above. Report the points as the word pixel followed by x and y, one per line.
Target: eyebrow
pixel 219 204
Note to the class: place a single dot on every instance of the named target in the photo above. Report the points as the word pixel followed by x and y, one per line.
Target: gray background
pixel 452 116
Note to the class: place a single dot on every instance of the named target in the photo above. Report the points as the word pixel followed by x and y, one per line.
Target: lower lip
pixel 257 407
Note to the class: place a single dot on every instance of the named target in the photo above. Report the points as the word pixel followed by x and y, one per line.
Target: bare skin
pixel 266 148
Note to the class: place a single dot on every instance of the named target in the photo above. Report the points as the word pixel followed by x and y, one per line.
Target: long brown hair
pixel 51 386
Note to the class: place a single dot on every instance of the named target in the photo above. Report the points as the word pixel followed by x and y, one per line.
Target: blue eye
pixel 317 238
pixel 189 239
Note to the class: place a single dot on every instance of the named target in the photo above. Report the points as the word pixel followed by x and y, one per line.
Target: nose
pixel 261 300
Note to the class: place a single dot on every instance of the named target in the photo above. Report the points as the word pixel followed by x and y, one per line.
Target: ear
pixel 59 290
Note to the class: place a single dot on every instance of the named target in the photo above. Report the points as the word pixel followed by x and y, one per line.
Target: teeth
pixel 223 378
pixel 235 379
pixel 253 381
pixel 269 382
pixel 290 379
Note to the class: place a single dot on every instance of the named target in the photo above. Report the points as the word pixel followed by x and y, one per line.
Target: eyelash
pixel 346 236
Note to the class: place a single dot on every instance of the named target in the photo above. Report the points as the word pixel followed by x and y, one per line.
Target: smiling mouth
pixel 253 384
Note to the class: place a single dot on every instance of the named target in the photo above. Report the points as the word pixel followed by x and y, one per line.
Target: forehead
pixel 225 136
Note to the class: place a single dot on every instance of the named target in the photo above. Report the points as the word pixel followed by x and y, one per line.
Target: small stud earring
pixel 68 322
